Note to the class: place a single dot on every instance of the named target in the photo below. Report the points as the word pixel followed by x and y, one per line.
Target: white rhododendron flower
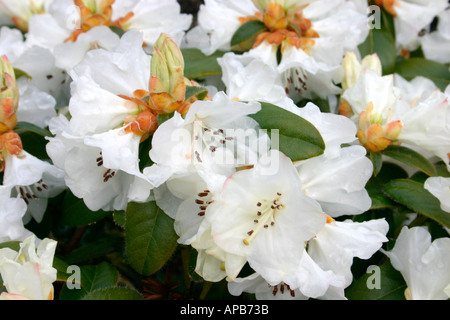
pixel 78 26
pixel 211 136
pixel 411 17
pixel 280 149
pixel 44 86
pixel 34 180
pixel 266 223
pixel 440 188
pixel 325 267
pixel 436 44
pixel 29 273
pixel 423 263
pixel 86 175
pixel 12 211
pixel 21 11
pixel 389 115
pixel 97 135
pixel 249 79
pixel 338 183
pixel 307 36
pixel 339 242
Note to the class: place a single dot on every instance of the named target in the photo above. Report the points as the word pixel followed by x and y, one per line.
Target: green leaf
pixel 376 184
pixel 95 249
pixel 119 217
pixel 435 71
pixel 414 196
pixel 198 92
pixel 377 162
pixel 93 277
pixel 381 42
pixel 245 36
pixel 33 139
pixel 410 158
pixel 144 151
pixel 76 213
pixel 116 293
pixel 150 237
pixel 26 127
pixel 197 65
pixel 20 73
pixel 13 245
pixel 117 30
pixel 387 22
pixel 391 285
pixel 298 138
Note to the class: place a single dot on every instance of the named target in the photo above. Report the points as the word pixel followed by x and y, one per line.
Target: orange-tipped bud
pixel 144 124
pixel 373 133
pixel 275 17
pixel 9 96
pixel 10 144
pixel 345 109
pixel 167 86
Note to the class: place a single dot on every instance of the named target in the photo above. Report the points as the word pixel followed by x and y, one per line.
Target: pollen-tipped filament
pixel 266 213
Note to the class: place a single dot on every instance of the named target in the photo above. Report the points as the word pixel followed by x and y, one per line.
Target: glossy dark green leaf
pixel 381 42
pixel 92 277
pixel 435 71
pixel 150 237
pixel 297 138
pixel 410 158
pixel 245 36
pixel 376 184
pixel 197 65
pixel 23 127
pixel 76 213
pixel 391 285
pixel 97 248
pixel 116 293
pixel 377 162
pixel 414 196
pixel 198 92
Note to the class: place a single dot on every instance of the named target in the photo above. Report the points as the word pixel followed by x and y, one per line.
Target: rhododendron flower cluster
pixel 259 149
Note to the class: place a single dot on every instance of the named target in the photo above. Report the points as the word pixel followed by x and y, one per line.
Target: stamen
pixel 266 217
pixel 108 175
pixel 203 204
pixel 282 286
pixel 99 160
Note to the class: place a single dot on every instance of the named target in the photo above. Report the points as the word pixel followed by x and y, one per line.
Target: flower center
pixel 203 200
pixel 109 173
pixel 266 212
pixel 94 13
pixel 295 79
pixel 28 193
pixel 207 140
pixel 284 28
pixel 281 288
